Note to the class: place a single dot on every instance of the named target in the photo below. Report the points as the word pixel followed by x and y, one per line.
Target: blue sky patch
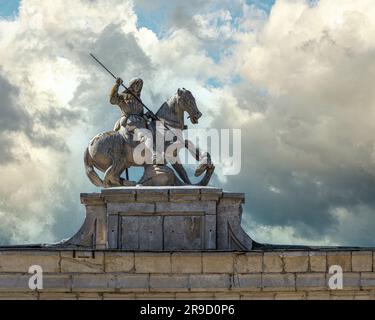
pixel 9 8
pixel 265 5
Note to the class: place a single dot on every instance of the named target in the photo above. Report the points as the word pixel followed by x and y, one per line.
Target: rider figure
pixel 131 109
pixel 132 119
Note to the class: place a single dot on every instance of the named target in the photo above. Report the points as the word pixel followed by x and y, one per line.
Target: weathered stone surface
pixel 179 225
pixel 58 296
pixel 93 282
pixel 18 261
pixel 174 283
pixel 342 295
pixel 318 261
pixel 296 261
pixel 211 194
pixel 248 262
pixel 133 282
pixel 162 219
pixel 195 296
pixel 290 296
pixel 247 282
pixel 272 262
pixel 187 262
pixel 278 282
pixel 151 195
pixel 179 275
pixel 18 296
pixel 119 262
pixel 368 280
pixel 351 281
pixel 362 261
pixel 208 207
pixel 100 227
pixel 118 195
pixel 82 262
pixel 90 296
pixel 258 296
pixel 342 259
pixel 93 233
pixel 227 296
pixel 142 233
pixel 90 199
pixel 182 195
pixel 210 232
pixel 130 208
pixel 183 232
pixel 218 262
pixel 318 295
pixel 20 283
pixel 118 296
pixel 155 296
pixel 362 295
pixel 311 281
pixel 14 282
pixel 209 282
pixel 113 231
pixel 57 283
pixel 152 262
pixel 230 234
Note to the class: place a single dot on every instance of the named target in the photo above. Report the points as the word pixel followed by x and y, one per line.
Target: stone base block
pixel 162 219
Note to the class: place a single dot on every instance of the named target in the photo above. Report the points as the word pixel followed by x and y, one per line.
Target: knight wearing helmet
pixel 132 116
pixel 133 120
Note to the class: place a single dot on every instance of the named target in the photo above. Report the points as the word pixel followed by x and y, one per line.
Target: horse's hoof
pixel 201 168
pixel 211 168
pixel 129 183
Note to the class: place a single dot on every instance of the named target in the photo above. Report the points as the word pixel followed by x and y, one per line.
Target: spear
pixel 154 116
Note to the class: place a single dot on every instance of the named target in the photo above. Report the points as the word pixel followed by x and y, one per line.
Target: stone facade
pixel 178 243
pixel 115 274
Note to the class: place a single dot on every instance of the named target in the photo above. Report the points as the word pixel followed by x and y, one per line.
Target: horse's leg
pixel 207 177
pixel 171 156
pixel 205 163
pixel 110 180
pixel 112 177
pixel 204 159
pixel 181 172
pixel 125 182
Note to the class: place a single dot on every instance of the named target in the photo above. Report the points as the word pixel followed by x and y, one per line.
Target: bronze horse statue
pixel 112 152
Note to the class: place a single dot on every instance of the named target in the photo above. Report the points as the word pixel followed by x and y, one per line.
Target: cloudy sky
pixel 295 76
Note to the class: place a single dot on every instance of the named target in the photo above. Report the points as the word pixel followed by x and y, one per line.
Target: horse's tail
pixel 90 172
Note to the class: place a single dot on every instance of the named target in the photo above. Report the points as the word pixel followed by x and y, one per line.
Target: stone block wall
pixel 104 274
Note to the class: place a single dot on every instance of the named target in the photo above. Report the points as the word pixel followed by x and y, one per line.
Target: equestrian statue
pixel 132 142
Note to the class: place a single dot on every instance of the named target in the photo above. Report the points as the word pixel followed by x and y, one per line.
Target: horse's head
pixel 187 103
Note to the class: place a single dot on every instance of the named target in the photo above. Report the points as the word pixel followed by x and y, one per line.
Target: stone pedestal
pixel 162 219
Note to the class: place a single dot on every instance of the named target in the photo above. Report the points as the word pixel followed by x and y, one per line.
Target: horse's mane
pixel 170 114
pixel 168 108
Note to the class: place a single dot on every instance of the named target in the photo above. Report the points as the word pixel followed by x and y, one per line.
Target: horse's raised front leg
pixel 207 177
pixel 205 163
pixel 171 156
